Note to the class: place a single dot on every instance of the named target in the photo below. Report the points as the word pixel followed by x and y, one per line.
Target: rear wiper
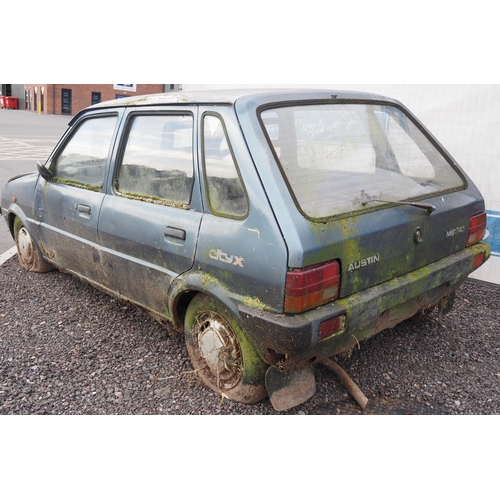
pixel 424 206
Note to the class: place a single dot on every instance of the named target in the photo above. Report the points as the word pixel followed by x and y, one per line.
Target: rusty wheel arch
pixel 11 218
pixel 181 304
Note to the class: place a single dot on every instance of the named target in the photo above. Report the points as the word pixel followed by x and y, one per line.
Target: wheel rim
pixel 25 247
pixel 218 349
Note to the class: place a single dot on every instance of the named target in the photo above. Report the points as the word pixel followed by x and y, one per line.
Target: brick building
pixel 68 99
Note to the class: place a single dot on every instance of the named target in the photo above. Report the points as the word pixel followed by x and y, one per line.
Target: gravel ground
pixel 68 349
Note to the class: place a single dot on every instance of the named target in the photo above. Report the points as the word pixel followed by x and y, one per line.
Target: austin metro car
pixel 273 229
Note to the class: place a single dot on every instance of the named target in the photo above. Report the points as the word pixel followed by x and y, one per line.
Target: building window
pixel 66 101
pixel 96 98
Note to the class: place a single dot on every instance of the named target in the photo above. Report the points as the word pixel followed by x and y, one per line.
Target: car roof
pixel 244 99
pixel 229 97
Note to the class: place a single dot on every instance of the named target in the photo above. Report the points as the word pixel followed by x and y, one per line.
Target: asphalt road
pixel 25 138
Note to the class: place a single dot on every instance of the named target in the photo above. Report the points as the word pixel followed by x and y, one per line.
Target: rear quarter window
pixel 224 187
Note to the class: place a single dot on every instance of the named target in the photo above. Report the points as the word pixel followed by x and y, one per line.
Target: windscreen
pixel 336 158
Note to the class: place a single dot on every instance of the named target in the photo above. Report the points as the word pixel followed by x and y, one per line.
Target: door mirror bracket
pixel 44 171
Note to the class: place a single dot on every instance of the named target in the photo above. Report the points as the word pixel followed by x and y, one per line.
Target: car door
pixel 149 223
pixel 67 206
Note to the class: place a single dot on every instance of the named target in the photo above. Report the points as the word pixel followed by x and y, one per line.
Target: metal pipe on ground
pixel 348 383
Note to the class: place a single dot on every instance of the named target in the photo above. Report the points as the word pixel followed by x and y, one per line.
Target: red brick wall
pixel 81 95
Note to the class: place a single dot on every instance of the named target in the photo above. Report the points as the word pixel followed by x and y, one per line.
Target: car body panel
pixel 67 219
pixel 248 255
pixel 140 246
pixel 293 339
pixel 17 199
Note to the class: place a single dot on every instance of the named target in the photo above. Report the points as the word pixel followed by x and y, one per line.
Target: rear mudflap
pixel 287 390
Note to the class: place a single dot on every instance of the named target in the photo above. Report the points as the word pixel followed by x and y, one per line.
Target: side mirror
pixel 44 171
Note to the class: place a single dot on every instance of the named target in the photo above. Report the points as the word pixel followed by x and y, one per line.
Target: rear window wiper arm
pixel 424 206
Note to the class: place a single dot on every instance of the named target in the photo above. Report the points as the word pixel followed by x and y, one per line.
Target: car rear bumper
pixel 291 341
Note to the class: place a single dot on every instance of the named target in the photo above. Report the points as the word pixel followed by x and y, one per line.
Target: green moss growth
pixel 253 302
pixel 152 199
pixel 77 184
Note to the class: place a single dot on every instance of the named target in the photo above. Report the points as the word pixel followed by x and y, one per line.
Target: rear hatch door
pixel 371 188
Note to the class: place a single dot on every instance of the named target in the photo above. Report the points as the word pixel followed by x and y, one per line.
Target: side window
pixel 82 162
pixel 157 160
pixel 225 191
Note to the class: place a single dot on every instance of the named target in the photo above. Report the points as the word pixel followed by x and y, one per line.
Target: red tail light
pixel 478 260
pixel 477 227
pixel 331 327
pixel 312 287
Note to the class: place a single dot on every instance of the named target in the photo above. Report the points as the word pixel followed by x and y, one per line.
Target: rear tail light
pixel 477 227
pixel 331 327
pixel 478 261
pixel 311 287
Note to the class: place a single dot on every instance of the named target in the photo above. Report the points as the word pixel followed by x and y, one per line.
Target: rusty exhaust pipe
pixel 348 383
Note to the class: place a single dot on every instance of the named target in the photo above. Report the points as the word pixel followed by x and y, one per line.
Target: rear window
pixel 337 157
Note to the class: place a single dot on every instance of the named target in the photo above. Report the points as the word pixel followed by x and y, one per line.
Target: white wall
pixel 465 119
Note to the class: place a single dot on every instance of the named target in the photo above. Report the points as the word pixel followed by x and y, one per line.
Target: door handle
pixel 83 209
pixel 173 232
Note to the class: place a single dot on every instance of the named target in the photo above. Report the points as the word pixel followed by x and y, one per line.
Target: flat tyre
pixel 28 254
pixel 221 354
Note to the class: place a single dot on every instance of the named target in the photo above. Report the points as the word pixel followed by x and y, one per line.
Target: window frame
pixel 369 208
pixel 69 137
pixel 235 162
pixel 124 137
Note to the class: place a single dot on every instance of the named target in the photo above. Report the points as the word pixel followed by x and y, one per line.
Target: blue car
pixel 274 229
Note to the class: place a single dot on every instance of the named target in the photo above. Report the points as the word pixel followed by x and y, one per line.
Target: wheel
pixel 29 256
pixel 221 353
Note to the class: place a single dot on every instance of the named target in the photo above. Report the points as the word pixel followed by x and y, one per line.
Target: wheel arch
pixel 11 219
pixel 188 285
pixel 181 304
pixel 16 212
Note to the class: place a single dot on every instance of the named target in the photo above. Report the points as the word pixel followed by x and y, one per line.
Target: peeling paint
pixel 254 230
